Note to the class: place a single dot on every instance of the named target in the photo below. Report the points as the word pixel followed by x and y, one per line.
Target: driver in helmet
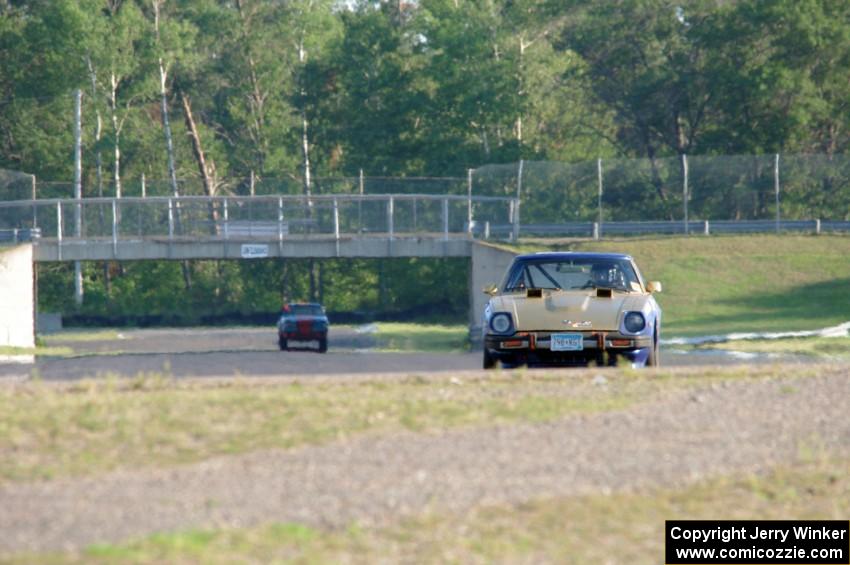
pixel 604 274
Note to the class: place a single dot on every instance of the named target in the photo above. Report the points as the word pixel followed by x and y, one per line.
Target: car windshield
pixel 305 310
pixel 573 274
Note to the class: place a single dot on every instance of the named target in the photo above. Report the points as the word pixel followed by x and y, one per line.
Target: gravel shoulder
pixel 732 426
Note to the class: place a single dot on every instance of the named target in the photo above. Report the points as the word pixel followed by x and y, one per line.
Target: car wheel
pixel 511 363
pixel 282 343
pixel 489 360
pixel 323 345
pixel 654 359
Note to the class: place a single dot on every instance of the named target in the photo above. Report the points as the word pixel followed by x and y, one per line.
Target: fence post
pixel 226 220
pixel 114 228
pixel 59 229
pixel 34 207
pixel 817 226
pixel 706 229
pixel 445 219
pixel 515 234
pixel 253 193
pixel 595 230
pixel 487 229
pixel 170 219
pixel 685 194
pixel 362 188
pixel 144 187
pixel 776 185
pixel 336 218
pixel 599 191
pixel 390 212
pixel 336 225
pixel 78 168
pixel 469 201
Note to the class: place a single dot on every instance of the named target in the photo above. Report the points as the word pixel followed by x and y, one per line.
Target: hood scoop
pixel 604 293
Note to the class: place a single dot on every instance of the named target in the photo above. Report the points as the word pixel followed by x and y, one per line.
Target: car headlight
pixel 501 323
pixel 634 322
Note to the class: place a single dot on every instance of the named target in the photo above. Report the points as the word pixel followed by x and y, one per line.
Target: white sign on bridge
pixel 254 251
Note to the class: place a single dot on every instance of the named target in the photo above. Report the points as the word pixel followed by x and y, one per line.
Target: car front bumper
pixel 534 348
pixel 303 336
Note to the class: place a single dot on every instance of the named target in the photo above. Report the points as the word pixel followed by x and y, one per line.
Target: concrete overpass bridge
pixel 246 228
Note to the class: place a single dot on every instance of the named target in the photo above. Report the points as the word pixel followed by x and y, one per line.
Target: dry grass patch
pixel 53 430
pixel 598 528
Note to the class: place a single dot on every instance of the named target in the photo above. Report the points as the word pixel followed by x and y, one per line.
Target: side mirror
pixel 653 286
pixel 490 289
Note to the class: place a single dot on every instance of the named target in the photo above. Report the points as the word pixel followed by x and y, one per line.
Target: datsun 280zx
pixel 572 308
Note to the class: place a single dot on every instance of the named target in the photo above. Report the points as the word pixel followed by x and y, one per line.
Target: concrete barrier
pixel 17 325
pixel 48 323
pixel 488 266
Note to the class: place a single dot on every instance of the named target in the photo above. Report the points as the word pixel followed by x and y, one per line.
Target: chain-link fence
pixel 258 217
pixel 737 187
pixel 15 185
pixel 674 189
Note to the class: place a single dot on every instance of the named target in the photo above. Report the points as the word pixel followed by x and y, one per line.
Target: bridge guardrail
pixel 278 217
pixel 23 235
pixel 695 227
pixel 262 217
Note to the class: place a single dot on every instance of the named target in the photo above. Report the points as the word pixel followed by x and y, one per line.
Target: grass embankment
pixel 61 344
pixel 422 337
pixel 618 528
pixel 823 347
pixel 47 351
pixel 722 284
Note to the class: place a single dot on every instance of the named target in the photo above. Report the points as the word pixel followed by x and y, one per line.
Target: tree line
pixel 305 88
pixel 195 93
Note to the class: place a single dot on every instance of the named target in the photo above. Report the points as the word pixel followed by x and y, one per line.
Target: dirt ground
pixel 724 427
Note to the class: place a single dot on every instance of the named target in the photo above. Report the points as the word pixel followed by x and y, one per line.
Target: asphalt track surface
pixel 227 352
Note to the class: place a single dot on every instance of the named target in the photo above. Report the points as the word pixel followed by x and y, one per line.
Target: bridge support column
pixel 17 297
pixel 488 264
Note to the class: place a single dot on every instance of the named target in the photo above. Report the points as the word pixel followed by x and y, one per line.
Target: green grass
pixel 60 344
pixel 723 284
pixel 46 351
pixel 422 337
pixel 78 336
pixel 51 430
pixel 601 528
pixel 826 347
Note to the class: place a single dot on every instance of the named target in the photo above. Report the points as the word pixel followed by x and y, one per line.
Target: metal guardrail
pixel 268 218
pixel 15 236
pixel 701 227
pixel 257 217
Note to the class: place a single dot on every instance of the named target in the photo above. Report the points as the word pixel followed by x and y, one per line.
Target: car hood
pixel 296 319
pixel 563 310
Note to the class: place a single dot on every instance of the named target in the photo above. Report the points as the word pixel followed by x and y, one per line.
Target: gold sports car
pixel 572 308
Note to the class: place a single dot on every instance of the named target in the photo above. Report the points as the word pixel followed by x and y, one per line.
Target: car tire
pixel 489 360
pixel 323 345
pixel 654 358
pixel 282 344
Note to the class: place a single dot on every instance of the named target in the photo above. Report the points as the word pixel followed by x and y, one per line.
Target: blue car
pixel 303 322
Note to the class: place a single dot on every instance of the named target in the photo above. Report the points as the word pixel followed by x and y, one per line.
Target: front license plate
pixel 566 342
